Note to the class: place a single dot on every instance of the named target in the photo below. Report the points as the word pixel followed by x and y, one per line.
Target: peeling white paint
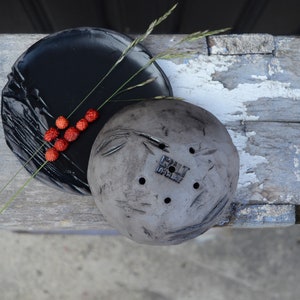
pixel 194 82
pixel 259 77
pixel 274 67
pixel 248 162
pixel 297 171
pixel 297 162
pixel 297 149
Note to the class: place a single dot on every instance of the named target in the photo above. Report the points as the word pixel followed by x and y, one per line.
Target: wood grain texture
pixel 255 95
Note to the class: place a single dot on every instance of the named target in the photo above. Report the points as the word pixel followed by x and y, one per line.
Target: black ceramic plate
pixel 52 77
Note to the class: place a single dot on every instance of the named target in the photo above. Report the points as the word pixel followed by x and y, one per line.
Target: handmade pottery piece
pixel 52 78
pixel 163 171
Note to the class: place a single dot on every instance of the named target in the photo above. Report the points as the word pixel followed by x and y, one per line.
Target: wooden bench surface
pixel 250 82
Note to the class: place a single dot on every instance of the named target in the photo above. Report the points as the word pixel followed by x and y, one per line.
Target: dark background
pixel 133 16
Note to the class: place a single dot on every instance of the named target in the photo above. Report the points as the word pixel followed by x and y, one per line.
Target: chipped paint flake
pixel 297 149
pixel 274 67
pixel 259 77
pixel 297 162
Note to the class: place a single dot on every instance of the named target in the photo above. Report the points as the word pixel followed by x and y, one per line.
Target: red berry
pixel 51 134
pixel 61 144
pixel 51 154
pixel 82 124
pixel 71 134
pixel 91 115
pixel 62 122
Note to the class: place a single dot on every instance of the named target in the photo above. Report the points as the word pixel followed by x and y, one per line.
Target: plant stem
pixel 169 53
pixel 22 167
pixel 137 40
pixel 16 194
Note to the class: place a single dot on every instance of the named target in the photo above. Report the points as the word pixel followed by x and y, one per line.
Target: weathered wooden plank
pixel 257 216
pixel 256 96
pixel 164 41
pixel 245 44
pixel 276 179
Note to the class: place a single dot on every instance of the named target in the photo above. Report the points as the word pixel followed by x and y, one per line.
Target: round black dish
pixel 52 77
